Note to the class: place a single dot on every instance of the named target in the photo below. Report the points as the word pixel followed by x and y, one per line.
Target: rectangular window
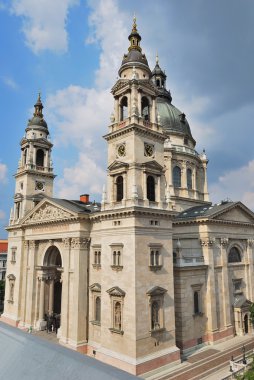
pixel 155 257
pixel 197 305
pixel 237 286
pixel 117 256
pixel 96 256
pixel 13 254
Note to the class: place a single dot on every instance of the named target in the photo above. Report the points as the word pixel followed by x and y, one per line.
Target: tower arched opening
pixel 39 157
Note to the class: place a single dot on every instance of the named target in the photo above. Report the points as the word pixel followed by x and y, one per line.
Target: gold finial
pixel 134 26
pixel 39 97
pixel 157 58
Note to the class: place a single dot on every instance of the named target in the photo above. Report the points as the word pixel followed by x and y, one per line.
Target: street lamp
pixel 244 358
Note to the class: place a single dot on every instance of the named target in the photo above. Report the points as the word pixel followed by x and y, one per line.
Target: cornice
pixel 136 128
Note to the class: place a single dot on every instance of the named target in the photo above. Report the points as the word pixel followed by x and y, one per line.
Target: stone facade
pixel 153 270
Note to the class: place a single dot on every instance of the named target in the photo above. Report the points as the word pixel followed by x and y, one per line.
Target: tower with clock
pixel 135 139
pixel 34 176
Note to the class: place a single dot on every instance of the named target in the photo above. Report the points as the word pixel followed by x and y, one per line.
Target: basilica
pixel 152 271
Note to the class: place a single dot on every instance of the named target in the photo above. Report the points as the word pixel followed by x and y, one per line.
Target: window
pixel 156 301
pixel 155 260
pixel 96 302
pixel 117 296
pixel 145 112
pixel 155 315
pixel 196 302
pixel 40 158
pixel 157 82
pixel 117 250
pixel 13 254
pixel 150 186
pixel 18 210
pixel 98 309
pixel 119 188
pixel 189 178
pixel 11 279
pixel 234 255
pixel 177 176
pixel 124 108
pixel 25 156
pixel 197 299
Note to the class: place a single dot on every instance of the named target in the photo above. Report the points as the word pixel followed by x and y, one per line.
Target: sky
pixel 71 50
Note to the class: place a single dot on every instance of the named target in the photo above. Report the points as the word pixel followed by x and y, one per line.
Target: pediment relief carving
pixel 95 287
pixel 152 165
pixel 47 212
pixel 156 291
pixel 118 165
pixel 116 292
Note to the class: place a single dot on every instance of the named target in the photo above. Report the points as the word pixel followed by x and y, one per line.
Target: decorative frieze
pixel 224 242
pixel 66 242
pixel 48 213
pixel 77 243
pixel 250 242
pixel 207 242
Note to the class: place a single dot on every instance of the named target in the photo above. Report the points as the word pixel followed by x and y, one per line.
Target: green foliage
pixel 251 309
pixel 248 375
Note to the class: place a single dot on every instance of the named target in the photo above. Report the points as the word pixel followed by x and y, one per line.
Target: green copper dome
pixel 172 119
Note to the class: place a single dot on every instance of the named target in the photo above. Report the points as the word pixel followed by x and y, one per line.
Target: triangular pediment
pixel 47 211
pixel 118 165
pixel 95 287
pixel 116 292
pixel 156 291
pixel 152 165
pixel 235 212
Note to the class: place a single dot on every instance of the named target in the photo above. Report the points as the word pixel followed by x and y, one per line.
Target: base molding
pixel 135 366
pixel 9 320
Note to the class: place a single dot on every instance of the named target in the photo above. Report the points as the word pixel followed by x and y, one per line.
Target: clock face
pixel 121 150
pixel 39 185
pixel 148 150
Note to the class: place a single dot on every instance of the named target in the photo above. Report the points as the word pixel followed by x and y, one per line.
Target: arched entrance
pixel 51 289
pixel 246 324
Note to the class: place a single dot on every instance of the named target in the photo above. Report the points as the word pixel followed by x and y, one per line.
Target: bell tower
pixel 34 176
pixel 135 139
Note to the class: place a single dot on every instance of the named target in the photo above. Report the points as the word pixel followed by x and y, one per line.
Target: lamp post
pixel 230 366
pixel 244 358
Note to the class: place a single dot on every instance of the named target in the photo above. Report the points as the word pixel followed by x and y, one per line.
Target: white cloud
pixel 44 23
pixel 109 31
pixel 3 173
pixel 236 184
pixel 2 215
pixel 10 82
pixel 80 115
pixel 85 177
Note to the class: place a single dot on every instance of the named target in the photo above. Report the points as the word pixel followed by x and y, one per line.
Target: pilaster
pixel 225 283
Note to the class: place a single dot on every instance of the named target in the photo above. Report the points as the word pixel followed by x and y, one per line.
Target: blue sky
pixel 70 50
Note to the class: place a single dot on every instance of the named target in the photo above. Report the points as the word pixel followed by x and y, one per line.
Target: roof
pixel 171 118
pixel 3 246
pixel 27 357
pixel 210 211
pixel 77 205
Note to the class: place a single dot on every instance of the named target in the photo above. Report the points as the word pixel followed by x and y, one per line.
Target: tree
pixel 251 309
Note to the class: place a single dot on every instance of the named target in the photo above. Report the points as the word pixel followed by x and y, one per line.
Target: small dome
pixel 134 58
pixel 37 121
pixel 172 119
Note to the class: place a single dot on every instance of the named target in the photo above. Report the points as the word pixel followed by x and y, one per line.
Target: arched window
pixel 189 178
pixel 150 188
pixel 145 108
pixel 177 176
pixel 117 316
pixel 157 82
pixel 119 188
pixel 196 303
pixel 114 258
pixel 99 258
pixel 124 108
pixel 98 309
pixel 234 255
pixel 155 315
pixel 157 258
pixel 40 158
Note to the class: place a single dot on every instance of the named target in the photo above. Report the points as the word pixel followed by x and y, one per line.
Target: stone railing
pixel 185 261
pixel 185 149
pixel 35 167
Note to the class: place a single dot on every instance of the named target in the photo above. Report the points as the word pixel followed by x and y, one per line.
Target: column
pixel 117 110
pixel 51 295
pixel 79 316
pixel 63 331
pixel 42 298
pixel 46 163
pixel 158 192
pixel 206 195
pixel 31 281
pixel 153 115
pixel 250 279
pixel 139 103
pixel 225 283
pixel 211 305
pixel 184 190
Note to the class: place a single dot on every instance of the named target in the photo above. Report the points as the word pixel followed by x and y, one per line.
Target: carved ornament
pixel 207 242
pixel 80 243
pixel 48 213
